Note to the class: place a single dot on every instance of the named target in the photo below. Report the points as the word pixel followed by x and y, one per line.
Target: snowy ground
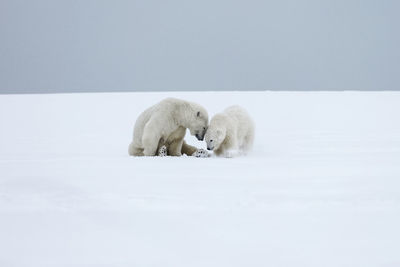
pixel 322 187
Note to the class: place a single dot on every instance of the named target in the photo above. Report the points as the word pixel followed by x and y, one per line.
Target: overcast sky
pixel 114 45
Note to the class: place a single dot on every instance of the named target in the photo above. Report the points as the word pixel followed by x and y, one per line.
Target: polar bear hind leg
pixel 175 148
pixel 188 149
pixel 248 142
pixel 150 140
pixel 135 151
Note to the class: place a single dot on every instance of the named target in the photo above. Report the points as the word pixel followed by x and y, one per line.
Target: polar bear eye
pixel 204 128
pixel 211 140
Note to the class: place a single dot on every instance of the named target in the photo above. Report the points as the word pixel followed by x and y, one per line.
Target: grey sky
pixel 94 45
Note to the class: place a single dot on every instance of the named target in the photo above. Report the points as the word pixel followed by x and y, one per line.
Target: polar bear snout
pixel 200 134
pixel 199 137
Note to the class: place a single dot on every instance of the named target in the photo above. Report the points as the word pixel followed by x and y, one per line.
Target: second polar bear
pixel 231 132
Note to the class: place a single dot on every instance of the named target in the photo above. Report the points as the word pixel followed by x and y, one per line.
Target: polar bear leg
pixel 218 152
pixel 188 149
pixel 248 141
pixel 175 148
pixel 150 139
pixel 233 149
pixel 149 149
pixel 231 153
pixel 228 149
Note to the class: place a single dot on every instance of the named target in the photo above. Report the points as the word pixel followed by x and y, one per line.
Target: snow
pixel 321 188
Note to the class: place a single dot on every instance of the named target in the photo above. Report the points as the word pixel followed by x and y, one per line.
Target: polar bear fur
pixel 165 124
pixel 231 132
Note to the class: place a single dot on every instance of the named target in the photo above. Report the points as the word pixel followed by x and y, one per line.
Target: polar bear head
pixel 215 136
pixel 198 122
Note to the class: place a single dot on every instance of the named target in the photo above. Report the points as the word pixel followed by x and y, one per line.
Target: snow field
pixel 321 188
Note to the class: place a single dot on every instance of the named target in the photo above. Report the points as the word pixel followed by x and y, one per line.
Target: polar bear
pixel 231 132
pixel 162 127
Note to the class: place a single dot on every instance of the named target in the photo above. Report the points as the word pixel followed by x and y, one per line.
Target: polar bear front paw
pixel 200 153
pixel 162 152
pixel 231 154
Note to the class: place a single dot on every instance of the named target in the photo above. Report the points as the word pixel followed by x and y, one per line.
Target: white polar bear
pixel 162 127
pixel 230 133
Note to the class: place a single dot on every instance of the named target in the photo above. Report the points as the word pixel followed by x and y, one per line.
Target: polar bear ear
pixel 198 113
